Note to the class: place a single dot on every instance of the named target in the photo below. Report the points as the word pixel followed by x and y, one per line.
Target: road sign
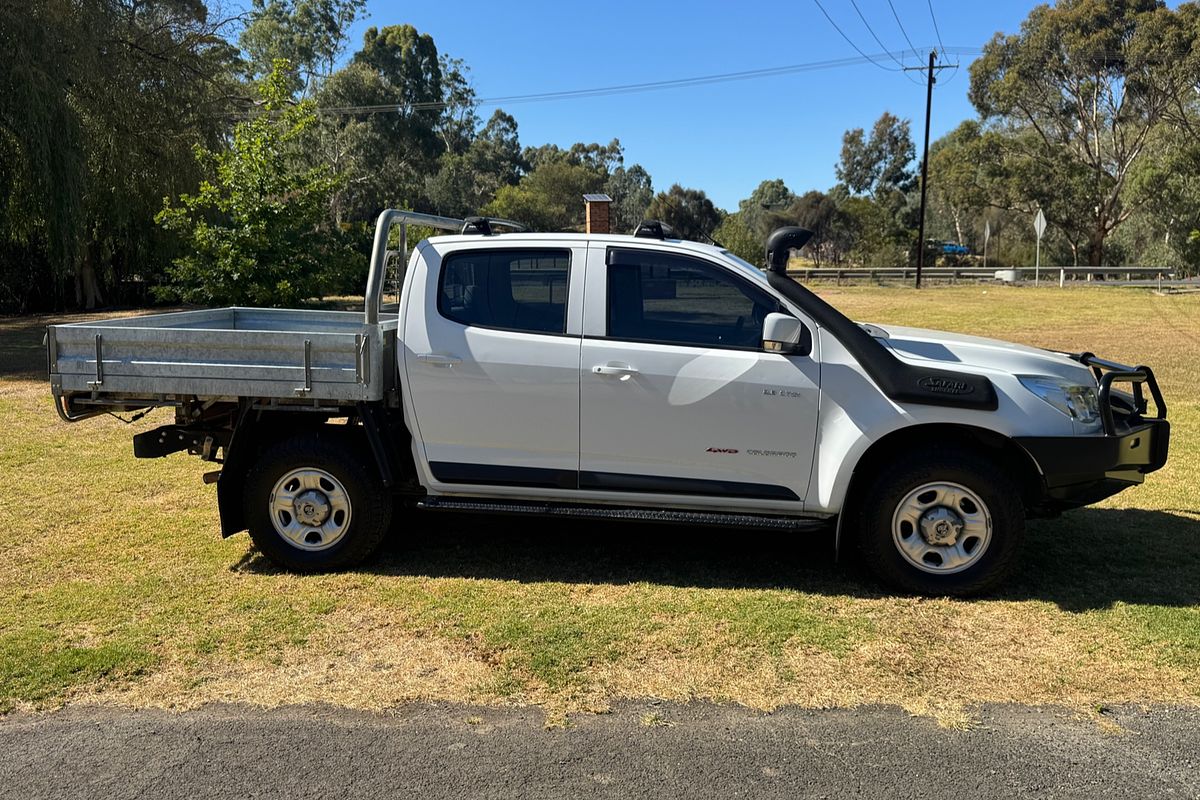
pixel 1039 225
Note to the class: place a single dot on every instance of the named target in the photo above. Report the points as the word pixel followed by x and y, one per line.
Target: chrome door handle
pixel 438 360
pixel 623 370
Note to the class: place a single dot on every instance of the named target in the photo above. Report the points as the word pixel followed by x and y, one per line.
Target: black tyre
pixel 314 502
pixel 942 522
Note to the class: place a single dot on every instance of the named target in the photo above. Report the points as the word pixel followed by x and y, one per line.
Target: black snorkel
pixel 899 380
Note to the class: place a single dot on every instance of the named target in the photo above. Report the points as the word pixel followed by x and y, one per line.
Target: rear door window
pixel 515 290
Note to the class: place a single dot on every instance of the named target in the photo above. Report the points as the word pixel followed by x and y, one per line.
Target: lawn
pixel 117 586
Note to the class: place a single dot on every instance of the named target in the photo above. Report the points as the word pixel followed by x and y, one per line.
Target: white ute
pixel 620 377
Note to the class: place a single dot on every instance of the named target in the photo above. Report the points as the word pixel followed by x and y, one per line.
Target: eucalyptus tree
pixel 549 195
pixel 309 35
pixel 1082 87
pixel 465 182
pixel 689 211
pixel 631 191
pixel 881 162
pixel 381 126
pixel 769 197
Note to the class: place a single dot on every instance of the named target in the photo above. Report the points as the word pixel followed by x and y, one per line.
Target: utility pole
pixel 933 65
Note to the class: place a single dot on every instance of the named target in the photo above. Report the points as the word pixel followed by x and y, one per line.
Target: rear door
pixel 493 364
pixel 678 397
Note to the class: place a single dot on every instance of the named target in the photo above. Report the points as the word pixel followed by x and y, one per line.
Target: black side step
pixel 712 518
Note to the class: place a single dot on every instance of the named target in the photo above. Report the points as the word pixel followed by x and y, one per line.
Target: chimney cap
pixel 597 198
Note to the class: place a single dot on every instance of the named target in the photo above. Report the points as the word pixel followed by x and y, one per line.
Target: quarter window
pixel 523 290
pixel 669 299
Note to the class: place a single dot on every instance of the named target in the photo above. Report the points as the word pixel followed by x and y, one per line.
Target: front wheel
pixel 314 502
pixel 945 523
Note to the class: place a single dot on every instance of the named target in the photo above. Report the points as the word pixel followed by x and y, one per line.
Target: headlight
pixel 1077 401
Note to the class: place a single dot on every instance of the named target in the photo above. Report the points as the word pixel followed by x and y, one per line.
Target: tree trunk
pixel 1096 249
pixel 87 286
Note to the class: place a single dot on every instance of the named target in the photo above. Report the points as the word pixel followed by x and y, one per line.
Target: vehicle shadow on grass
pixel 1087 559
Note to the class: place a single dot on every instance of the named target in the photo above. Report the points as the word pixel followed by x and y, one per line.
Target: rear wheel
pixel 947 522
pixel 315 503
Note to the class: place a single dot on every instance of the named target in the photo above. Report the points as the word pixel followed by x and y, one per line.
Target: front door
pixel 677 395
pixel 493 372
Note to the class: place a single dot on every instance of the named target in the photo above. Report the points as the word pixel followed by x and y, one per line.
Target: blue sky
pixel 724 138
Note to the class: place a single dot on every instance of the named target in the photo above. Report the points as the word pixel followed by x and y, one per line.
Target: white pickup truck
pixel 624 378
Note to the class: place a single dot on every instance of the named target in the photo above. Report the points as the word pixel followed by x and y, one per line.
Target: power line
pixel 629 88
pixel 933 17
pixel 850 42
pixel 901 24
pixel 871 31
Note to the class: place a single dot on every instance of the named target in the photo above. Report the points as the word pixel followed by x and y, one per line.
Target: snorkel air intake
pixel 900 381
pixel 780 244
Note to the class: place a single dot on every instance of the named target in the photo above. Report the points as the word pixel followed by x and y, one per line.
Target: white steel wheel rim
pixel 310 509
pixel 942 528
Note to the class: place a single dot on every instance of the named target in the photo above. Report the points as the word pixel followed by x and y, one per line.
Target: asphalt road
pixel 701 751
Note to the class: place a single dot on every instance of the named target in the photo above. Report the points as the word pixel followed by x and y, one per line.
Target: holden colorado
pixel 628 378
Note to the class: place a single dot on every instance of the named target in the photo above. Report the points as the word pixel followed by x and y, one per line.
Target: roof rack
pixel 653 229
pixel 483 225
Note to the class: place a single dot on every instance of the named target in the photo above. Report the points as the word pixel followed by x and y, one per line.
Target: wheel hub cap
pixel 941 526
pixel 312 507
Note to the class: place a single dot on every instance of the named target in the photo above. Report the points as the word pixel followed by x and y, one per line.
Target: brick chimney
pixel 596 206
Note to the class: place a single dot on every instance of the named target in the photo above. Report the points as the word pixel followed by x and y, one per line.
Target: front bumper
pixel 1080 470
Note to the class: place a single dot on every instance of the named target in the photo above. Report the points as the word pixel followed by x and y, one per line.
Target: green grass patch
pixel 37 665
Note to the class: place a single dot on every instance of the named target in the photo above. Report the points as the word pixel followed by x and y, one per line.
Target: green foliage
pixel 881 163
pixel 957 183
pixel 257 232
pixel 550 196
pixel 465 182
pixel 42 164
pixel 877 239
pixel 1089 113
pixel 735 235
pixel 767 199
pixel 631 191
pixel 688 211
pixel 307 34
pixel 385 156
pixel 1084 86
pixel 103 102
pixel 835 229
